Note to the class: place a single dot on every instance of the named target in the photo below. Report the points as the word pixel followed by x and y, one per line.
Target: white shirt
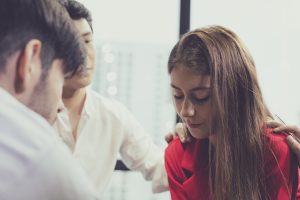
pixel 105 129
pixel 34 164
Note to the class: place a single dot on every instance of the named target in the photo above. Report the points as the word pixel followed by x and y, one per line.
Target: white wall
pixel 270 29
pixel 138 21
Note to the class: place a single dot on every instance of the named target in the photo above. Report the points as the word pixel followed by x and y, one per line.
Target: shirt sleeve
pixel 280 168
pixel 139 152
pixel 175 177
pixel 55 175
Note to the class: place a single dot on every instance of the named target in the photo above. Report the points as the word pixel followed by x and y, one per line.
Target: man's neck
pixel 74 99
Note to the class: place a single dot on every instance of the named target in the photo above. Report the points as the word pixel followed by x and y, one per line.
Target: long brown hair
pixel 237 169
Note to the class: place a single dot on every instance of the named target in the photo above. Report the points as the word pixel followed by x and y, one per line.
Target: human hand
pixel 180 131
pixel 292 138
pixel 295 145
pixel 170 136
pixel 281 127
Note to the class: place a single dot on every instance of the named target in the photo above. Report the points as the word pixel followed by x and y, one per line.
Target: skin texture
pixel 191 97
pixel 23 79
pixel 81 80
pixel 74 89
pixel 47 93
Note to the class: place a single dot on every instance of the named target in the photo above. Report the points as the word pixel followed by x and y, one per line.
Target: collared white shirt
pixel 34 163
pixel 106 128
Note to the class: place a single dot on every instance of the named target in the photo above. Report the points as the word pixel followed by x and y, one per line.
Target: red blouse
pixel 189 176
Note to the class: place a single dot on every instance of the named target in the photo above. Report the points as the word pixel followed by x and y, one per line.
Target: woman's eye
pixel 200 101
pixel 177 97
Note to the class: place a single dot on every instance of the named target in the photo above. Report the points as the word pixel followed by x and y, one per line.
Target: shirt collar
pixel 5 95
pixel 88 104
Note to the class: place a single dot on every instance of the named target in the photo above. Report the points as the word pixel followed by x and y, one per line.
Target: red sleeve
pixel 280 168
pixel 173 154
pixel 298 191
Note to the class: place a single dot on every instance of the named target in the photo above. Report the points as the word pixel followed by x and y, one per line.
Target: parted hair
pixel 238 110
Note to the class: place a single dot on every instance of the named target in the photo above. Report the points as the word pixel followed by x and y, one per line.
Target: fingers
pixel 296 131
pixel 169 137
pixel 273 124
pixel 180 130
pixel 183 138
pixel 182 133
pixel 287 128
pixel 293 129
pixel 279 127
pixel 294 145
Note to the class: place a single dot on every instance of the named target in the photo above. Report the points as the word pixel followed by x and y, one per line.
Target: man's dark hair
pixel 77 10
pixel 45 20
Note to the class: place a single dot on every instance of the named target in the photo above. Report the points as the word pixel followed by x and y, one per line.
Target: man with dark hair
pixel 53 40
pixel 38 48
pixel 97 129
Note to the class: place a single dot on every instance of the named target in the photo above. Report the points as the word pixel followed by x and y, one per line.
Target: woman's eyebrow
pixel 175 87
pixel 200 88
pixel 194 89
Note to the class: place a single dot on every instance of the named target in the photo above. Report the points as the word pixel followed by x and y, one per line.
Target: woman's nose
pixel 187 109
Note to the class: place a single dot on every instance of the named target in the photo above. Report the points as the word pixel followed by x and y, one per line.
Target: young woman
pixel 233 156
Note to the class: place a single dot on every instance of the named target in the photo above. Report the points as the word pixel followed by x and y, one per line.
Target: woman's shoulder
pixel 277 151
pixel 280 166
pixel 175 149
pixel 275 137
pixel 277 141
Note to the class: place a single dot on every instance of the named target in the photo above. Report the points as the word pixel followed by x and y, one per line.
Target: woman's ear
pixel 29 65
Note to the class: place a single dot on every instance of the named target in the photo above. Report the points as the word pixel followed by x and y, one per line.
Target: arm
pixel 139 152
pixel 183 135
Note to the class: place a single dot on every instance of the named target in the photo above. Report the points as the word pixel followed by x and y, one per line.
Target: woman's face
pixel 191 96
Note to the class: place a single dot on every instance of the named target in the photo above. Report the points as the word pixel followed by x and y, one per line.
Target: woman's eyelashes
pixel 194 99
pixel 199 101
pixel 178 97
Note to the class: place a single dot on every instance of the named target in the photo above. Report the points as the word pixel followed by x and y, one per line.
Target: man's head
pixel 83 22
pixel 38 47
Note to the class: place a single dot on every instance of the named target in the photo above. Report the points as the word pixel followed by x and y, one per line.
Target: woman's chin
pixel 199 134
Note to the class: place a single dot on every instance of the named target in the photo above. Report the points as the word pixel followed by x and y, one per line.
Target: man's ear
pixel 28 69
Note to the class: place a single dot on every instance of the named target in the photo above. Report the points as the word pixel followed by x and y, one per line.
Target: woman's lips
pixel 190 125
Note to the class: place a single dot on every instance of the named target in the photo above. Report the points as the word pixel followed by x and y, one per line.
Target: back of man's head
pixel 45 20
